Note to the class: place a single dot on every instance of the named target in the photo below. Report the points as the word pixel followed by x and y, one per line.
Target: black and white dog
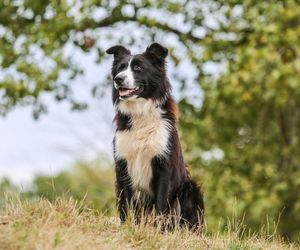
pixel 150 170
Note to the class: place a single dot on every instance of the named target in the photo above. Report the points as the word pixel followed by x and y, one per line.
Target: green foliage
pixel 31 52
pixel 89 182
pixel 6 187
pixel 251 113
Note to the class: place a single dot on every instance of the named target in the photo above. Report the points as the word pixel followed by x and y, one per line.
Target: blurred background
pixel 234 66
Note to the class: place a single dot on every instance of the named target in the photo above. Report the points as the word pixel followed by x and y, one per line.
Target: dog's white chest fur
pixel 147 137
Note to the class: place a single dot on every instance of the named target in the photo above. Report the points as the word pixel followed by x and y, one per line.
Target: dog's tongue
pixel 124 92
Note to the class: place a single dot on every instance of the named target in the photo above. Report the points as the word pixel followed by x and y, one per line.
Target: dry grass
pixel 66 224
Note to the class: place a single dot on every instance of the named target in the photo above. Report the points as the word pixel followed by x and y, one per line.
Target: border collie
pixel 150 170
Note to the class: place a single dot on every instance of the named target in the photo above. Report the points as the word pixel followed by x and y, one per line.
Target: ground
pixel 67 224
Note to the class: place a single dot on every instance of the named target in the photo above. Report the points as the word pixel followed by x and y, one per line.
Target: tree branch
pixel 143 21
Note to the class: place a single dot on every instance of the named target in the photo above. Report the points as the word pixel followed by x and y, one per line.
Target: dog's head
pixel 139 76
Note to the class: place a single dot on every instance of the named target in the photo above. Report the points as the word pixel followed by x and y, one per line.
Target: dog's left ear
pixel 157 50
pixel 118 51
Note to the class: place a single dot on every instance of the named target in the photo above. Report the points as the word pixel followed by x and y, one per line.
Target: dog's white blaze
pixel 148 137
pixel 128 75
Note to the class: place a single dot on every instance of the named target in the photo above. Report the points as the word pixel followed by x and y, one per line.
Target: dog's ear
pixel 118 51
pixel 157 50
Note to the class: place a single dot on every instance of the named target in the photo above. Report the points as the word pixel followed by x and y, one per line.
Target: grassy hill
pixel 66 224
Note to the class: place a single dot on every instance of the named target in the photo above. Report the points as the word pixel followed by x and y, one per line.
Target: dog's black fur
pixel 170 180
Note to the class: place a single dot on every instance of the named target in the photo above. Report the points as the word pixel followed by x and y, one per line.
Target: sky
pixel 52 143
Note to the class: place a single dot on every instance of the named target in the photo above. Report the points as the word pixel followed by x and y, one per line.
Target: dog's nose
pixel 119 80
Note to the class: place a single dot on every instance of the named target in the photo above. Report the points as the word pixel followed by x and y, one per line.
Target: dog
pixel 150 169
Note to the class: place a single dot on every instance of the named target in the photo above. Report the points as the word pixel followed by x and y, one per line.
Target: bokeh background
pixel 234 66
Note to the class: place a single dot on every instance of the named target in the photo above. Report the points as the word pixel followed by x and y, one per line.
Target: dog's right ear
pixel 157 50
pixel 118 51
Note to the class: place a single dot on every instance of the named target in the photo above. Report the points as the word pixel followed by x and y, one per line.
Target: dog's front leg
pixel 160 183
pixel 123 186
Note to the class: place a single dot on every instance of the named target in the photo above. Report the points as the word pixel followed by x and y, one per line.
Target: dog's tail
pixel 191 202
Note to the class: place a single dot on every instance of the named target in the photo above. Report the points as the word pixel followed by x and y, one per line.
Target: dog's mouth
pixel 127 92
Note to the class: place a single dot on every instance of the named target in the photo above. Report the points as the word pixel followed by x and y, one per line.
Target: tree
pixel 245 137
pixel 252 114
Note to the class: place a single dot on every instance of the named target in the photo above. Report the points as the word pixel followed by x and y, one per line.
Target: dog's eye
pixel 137 68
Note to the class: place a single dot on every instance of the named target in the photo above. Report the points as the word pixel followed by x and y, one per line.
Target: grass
pixel 66 224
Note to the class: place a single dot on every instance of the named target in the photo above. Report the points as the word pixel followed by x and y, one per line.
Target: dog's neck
pixel 138 106
pixel 141 106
